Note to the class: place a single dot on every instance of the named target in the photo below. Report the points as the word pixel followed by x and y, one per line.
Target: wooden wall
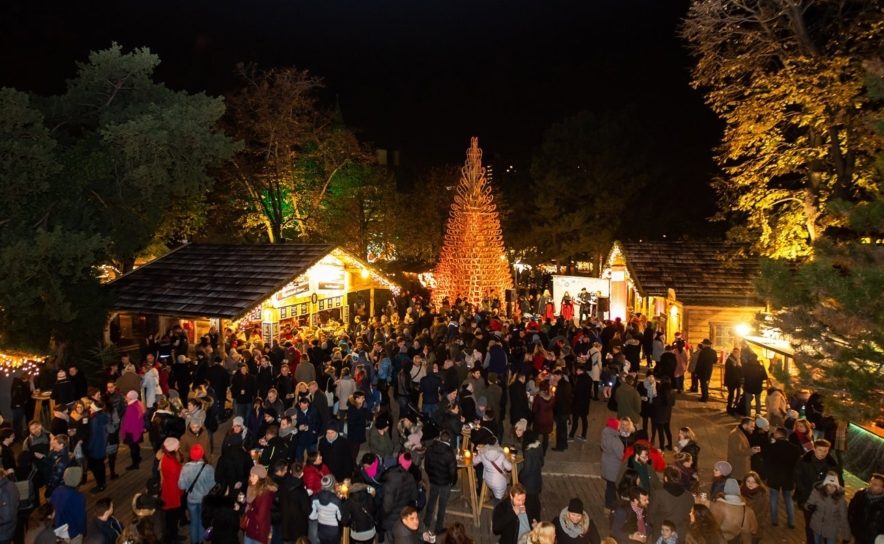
pixel 697 320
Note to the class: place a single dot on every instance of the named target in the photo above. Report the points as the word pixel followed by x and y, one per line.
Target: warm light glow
pixel 364 273
pixel 27 363
pixel 742 329
pixel 673 310
pixel 472 263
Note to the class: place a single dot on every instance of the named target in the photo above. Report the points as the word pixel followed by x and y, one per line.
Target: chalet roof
pixel 214 280
pixel 703 273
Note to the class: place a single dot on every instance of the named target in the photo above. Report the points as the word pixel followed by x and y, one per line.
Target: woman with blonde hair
pixel 542 533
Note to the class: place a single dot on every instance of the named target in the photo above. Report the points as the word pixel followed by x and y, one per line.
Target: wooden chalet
pixel 273 288
pixel 699 288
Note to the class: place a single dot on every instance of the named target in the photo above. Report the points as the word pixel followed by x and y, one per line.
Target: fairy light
pixel 473 262
pixel 26 363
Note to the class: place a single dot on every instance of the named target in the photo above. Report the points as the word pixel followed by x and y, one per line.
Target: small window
pixel 722 335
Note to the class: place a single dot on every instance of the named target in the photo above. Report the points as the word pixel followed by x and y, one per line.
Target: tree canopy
pixel 787 77
pixel 93 177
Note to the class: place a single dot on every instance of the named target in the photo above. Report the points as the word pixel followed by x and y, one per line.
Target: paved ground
pixel 574 472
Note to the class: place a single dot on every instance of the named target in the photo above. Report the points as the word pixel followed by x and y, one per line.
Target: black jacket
pixel 505 522
pixel 662 404
pixel 666 366
pixel 564 398
pixel 244 388
pixel 291 506
pixel 218 513
pixel 441 464
pixel 706 362
pixel 753 377
pixel 518 399
pixel 530 473
pixel 336 455
pixel 809 471
pixel 866 516
pixel 400 490
pixel 582 393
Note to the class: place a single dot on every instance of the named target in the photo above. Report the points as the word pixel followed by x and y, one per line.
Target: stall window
pixel 722 335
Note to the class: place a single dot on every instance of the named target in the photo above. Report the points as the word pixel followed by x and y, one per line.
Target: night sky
pixel 416 75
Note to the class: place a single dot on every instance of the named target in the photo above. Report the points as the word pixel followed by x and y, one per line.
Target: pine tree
pixel 472 264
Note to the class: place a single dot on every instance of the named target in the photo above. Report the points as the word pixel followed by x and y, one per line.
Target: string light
pixel 26 363
pixel 473 263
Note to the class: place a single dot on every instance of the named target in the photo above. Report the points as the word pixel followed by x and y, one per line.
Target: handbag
pixel 244 520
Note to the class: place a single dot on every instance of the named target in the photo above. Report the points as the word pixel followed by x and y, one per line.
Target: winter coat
pixel 738 453
pixel 403 535
pixel 291 506
pixel 733 373
pixel 829 518
pixel 753 377
pixel 357 419
pixel 809 471
pixel 582 394
pixel 674 503
pixel 312 477
pixel 218 513
pixel 648 479
pixel 338 457
pixel 96 446
pixel 311 419
pixel 735 520
pixel 200 475
pixel 694 449
pixel 400 490
pixel 760 503
pixel 662 405
pixel 776 408
pixel 496 468
pixel 584 532
pixel 258 517
pixel 629 403
pixel 564 398
pixel 132 426
pixel 189 439
pixel 505 522
pixel 244 388
pixel 233 466
pixel 866 516
pixel 164 424
pixel 543 413
pixel 70 509
pixel 780 461
pixel 518 400
pixel 327 509
pixel 440 463
pixel 705 363
pixel 346 386
pixel 381 444
pixel 9 501
pixel 170 473
pixel 666 366
pixel 360 509
pixel 612 452
pixel 530 474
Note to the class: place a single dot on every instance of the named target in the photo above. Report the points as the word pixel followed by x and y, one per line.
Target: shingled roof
pixel 214 280
pixel 703 273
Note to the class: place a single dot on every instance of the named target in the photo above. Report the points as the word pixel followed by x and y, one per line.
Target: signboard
pixel 298 286
pixel 573 285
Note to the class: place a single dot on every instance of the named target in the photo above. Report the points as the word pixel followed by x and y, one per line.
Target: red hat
pixel 196 452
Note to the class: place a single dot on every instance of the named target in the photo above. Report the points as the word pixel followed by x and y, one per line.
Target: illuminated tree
pixel 831 304
pixel 786 76
pixel 472 262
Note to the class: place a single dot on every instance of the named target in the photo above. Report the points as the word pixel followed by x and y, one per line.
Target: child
pixel 720 472
pixel 829 520
pixel 667 533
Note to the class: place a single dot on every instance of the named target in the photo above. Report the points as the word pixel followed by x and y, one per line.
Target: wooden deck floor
pixel 573 473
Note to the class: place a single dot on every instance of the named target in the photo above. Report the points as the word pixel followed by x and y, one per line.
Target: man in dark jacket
pixel 562 409
pixel 672 502
pixel 530 474
pixel 291 506
pixel 811 469
pixel 336 453
pixel 400 490
pixel 754 376
pixel 510 520
pixel 666 366
pixel 441 466
pixel 705 363
pixel 580 404
pixel 625 519
pixel 780 459
pixel 866 511
pixel 518 399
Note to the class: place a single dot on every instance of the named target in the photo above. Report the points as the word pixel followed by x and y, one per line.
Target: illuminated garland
pixel 473 263
pixel 29 364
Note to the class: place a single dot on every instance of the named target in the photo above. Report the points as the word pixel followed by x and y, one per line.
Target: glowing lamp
pixel 742 329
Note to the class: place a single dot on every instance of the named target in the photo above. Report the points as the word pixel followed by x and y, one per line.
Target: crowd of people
pixel 369 430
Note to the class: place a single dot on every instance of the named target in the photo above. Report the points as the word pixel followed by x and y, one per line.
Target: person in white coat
pixel 150 384
pixel 495 468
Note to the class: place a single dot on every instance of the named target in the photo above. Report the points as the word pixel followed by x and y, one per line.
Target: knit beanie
pixel 404 462
pixel 724 468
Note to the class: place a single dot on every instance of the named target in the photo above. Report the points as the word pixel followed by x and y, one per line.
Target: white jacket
pixel 496 468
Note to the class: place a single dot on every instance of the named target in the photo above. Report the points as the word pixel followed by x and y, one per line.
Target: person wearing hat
pixel 336 452
pixel 705 363
pixel 196 480
pixel 196 434
pixel 721 471
pixel 574 526
pixel 170 462
pixel 70 504
pixel 328 512
pixel 734 517
pixel 259 500
pixel 380 441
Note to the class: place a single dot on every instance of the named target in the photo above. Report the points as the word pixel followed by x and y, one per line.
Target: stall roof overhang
pixel 215 280
pixel 703 273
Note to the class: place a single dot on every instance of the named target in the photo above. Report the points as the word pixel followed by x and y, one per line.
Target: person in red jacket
pixel 314 470
pixel 259 499
pixel 658 462
pixel 170 463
